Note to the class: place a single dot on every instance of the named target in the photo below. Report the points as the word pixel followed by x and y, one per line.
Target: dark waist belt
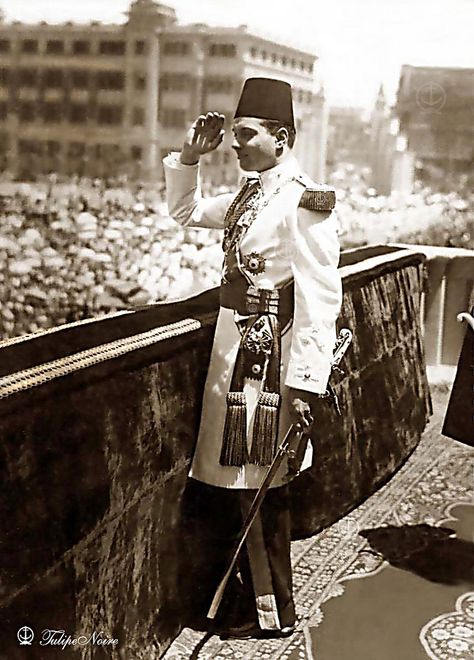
pixel 258 358
pixel 251 300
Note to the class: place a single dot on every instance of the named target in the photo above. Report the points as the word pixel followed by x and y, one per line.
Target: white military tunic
pixel 294 243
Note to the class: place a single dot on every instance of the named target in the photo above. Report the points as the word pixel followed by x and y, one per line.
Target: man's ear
pixel 281 137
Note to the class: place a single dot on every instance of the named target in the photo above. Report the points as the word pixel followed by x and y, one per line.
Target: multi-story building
pixel 435 110
pixel 428 135
pixel 105 99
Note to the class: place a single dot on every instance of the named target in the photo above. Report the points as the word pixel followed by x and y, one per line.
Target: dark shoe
pixel 245 631
pixel 287 631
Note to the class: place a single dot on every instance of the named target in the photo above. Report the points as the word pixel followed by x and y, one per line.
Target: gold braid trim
pixel 318 200
pixel 34 376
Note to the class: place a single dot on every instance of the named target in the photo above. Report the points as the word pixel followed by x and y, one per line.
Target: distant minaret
pixel 380 147
pixel 377 122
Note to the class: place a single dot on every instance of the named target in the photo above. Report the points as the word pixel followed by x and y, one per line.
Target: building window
pixel 110 80
pixel 140 81
pixel 4 46
pixel 274 58
pixel 4 76
pixel 52 148
pixel 80 79
pixel 253 52
pixel 176 48
pixel 110 115
pixel 26 147
pixel 27 77
pixel 81 47
pixel 173 117
pixel 140 47
pixel 264 55
pixel 112 47
pixel 3 110
pixel 29 46
pixel 26 111
pixel 78 113
pixel 283 60
pixel 53 78
pixel 136 152
pixel 76 149
pixel 222 50
pixel 138 118
pixel 174 81
pixel 219 85
pixel 52 112
pixel 54 47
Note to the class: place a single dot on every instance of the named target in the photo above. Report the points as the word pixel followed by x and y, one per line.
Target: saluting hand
pixel 205 135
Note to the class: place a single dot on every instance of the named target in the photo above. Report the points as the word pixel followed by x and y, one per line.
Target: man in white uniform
pixel 280 298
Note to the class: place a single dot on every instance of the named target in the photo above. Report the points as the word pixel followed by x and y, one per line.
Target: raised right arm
pixel 186 204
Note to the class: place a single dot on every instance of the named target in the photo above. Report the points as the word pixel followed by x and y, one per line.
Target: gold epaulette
pixel 315 199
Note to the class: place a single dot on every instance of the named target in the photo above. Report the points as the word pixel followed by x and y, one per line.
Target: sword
pixel 288 447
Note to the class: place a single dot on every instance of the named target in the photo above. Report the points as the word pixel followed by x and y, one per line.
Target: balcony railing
pixel 449 291
pixel 98 421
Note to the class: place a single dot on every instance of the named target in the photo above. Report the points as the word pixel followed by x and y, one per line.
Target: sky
pixel 360 43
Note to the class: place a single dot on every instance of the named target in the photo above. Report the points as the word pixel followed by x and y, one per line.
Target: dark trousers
pixel 459 420
pixel 264 566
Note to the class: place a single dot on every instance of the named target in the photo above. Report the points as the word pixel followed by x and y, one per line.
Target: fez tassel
pixel 234 443
pixel 265 428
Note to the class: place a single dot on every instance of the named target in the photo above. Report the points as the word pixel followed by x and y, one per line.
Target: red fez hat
pixel 266 98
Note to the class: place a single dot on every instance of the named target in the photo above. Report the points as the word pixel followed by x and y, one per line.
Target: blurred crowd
pixel 80 249
pixel 67 256
pixel 423 217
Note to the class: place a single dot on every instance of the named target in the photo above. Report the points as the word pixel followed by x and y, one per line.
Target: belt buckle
pixel 252 299
pixel 269 300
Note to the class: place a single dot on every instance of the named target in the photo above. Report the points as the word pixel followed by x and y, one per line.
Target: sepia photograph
pixel 236 330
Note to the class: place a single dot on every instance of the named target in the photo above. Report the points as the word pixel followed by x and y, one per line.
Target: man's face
pixel 254 145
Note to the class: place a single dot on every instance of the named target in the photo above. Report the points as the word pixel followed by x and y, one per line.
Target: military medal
pixel 254 263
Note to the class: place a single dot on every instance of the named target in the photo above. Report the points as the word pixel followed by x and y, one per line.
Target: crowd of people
pixel 82 249
pixel 67 256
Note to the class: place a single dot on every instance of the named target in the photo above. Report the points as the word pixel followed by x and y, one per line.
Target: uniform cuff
pixel 172 161
pixel 306 377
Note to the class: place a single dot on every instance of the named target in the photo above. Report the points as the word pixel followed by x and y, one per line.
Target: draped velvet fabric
pixel 383 395
pixel 94 530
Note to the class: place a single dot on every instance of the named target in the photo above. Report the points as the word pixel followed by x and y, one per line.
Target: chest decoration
pixel 259 338
pixel 249 202
pixel 254 263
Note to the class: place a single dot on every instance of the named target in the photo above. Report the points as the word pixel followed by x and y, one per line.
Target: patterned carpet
pixel 411 542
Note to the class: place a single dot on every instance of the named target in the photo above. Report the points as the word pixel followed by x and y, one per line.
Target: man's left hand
pixel 299 405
